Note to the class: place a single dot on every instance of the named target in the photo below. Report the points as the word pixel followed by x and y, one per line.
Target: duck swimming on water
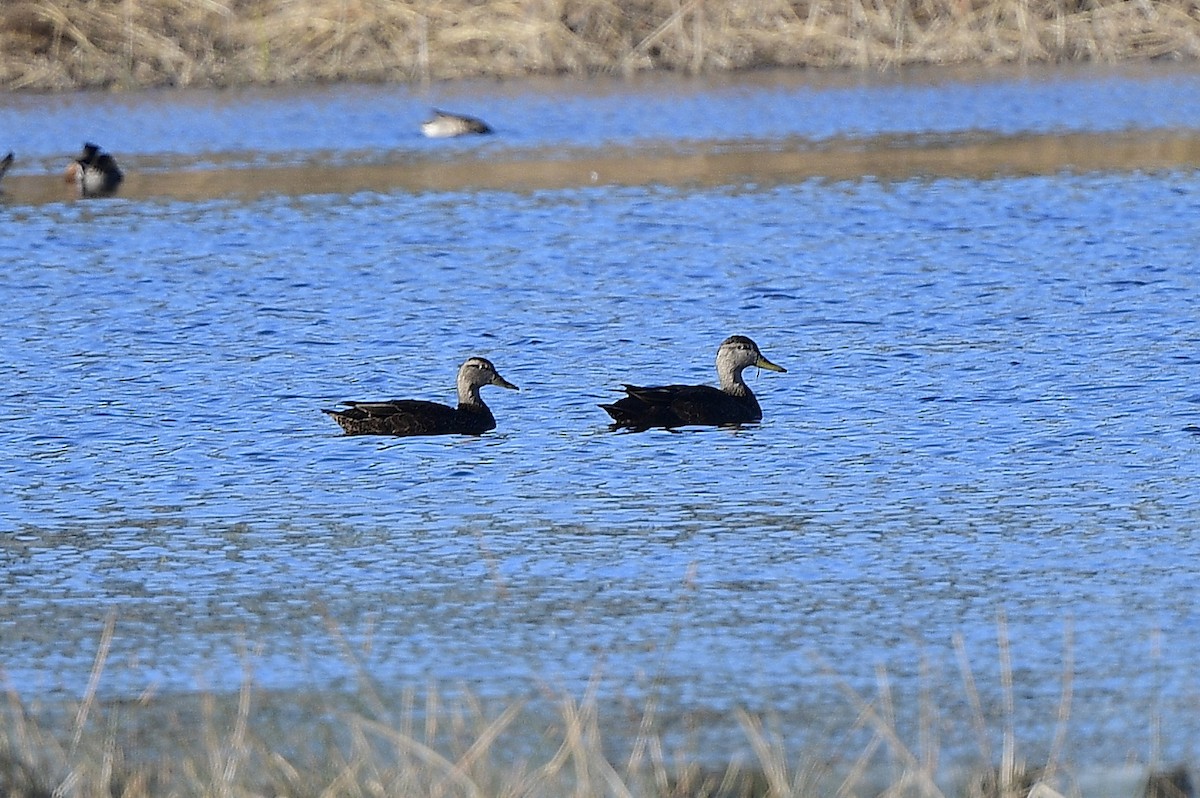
pixel 418 417
pixel 445 125
pixel 680 405
pixel 94 173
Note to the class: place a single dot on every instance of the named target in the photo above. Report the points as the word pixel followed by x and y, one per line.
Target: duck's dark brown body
pixel 681 406
pixel 413 417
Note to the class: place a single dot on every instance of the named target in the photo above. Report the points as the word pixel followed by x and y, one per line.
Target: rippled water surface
pixel 988 409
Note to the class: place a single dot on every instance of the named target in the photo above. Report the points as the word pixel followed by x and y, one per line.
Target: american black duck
pixel 681 405
pixel 418 417
pixel 94 173
pixel 445 125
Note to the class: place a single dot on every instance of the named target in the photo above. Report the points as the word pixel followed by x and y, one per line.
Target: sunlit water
pixel 988 410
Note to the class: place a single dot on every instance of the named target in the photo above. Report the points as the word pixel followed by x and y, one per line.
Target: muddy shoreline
pixel 894 157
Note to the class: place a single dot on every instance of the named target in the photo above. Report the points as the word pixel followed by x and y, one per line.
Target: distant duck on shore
pixel 5 162
pixel 445 125
pixel 94 173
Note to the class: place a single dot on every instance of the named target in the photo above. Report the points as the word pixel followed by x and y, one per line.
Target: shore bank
pixel 56 45
pixel 454 743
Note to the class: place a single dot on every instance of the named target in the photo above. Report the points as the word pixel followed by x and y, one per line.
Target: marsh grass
pixel 59 44
pixel 257 743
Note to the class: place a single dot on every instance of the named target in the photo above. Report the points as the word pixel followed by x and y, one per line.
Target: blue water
pixel 988 408
pixel 352 123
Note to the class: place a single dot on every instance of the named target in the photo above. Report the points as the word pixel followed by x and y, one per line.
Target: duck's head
pixel 479 371
pixel 738 352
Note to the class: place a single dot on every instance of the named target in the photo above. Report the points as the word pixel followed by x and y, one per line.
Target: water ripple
pixel 990 403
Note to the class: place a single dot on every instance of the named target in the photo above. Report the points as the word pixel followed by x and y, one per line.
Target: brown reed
pixel 65 44
pixel 255 743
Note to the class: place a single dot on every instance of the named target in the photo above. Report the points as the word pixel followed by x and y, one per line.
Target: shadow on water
pixel 973 155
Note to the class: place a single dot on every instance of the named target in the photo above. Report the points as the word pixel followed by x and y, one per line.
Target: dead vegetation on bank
pixel 63 44
pixel 258 743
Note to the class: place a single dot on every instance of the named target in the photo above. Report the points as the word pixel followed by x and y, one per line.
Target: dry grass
pixel 59 44
pixel 259 744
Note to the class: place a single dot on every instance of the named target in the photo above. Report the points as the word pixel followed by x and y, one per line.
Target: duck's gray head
pixel 738 352
pixel 477 372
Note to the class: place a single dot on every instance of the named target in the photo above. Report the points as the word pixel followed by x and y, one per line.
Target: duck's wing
pixel 460 124
pixel 703 404
pixel 395 417
pixel 645 406
pixel 393 406
pixel 679 406
pixel 112 175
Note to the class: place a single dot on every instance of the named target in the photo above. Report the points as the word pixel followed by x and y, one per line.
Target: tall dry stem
pixel 771 757
pixel 1063 715
pixel 978 722
pixel 89 694
pixel 908 762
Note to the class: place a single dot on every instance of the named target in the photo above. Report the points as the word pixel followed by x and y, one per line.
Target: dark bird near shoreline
pixel 682 405
pixel 5 162
pixel 418 417
pixel 94 173
pixel 445 125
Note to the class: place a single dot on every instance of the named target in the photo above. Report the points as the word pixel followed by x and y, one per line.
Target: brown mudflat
pixel 891 157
